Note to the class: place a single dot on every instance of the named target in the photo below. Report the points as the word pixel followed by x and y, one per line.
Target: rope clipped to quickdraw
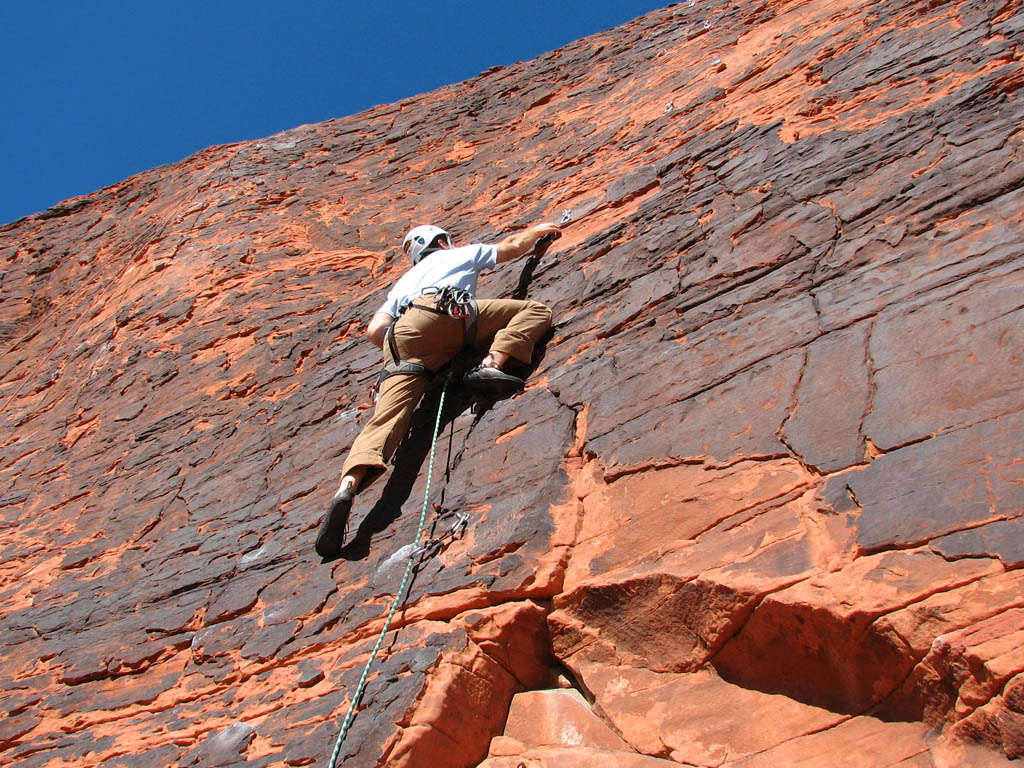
pixel 346 724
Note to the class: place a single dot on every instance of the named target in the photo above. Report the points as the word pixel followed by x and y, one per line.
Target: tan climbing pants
pixel 432 339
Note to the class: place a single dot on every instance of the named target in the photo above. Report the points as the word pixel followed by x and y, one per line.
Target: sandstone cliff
pixel 761 504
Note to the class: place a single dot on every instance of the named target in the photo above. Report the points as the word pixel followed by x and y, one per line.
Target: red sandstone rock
pixel 575 757
pixel 762 496
pixel 557 718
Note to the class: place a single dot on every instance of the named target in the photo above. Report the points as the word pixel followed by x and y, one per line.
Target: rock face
pixel 761 504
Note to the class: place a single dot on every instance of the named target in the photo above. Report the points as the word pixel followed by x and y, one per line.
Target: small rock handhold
pixel 309 675
pixel 632 184
pixel 226 746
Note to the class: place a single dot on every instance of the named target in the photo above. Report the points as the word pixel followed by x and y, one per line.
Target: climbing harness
pixel 346 724
pixel 397 367
pixel 451 301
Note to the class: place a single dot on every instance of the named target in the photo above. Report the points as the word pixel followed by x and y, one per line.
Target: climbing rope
pixel 398 595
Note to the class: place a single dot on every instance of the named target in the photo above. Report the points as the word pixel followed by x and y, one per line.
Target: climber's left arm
pixel 514 246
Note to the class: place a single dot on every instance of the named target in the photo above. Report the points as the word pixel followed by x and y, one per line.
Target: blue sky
pixel 97 90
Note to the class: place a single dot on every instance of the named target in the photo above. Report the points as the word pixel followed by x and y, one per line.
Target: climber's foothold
pixel 331 538
pixel 491 381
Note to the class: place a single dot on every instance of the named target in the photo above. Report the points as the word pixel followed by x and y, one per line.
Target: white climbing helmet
pixel 422 240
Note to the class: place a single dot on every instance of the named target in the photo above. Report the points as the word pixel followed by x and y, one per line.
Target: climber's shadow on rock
pixel 408 461
pixel 414 450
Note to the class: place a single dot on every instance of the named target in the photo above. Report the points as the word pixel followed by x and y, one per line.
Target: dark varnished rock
pixel 787 334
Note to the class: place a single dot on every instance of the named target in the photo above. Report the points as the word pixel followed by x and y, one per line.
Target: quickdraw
pixel 437 541
pixel 456 302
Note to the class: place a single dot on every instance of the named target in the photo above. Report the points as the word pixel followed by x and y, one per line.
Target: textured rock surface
pixel 762 500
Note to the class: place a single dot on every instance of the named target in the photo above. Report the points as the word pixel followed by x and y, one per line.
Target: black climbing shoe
pixel 331 537
pixel 492 381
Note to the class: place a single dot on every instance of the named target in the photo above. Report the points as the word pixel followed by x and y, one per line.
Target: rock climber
pixel 430 314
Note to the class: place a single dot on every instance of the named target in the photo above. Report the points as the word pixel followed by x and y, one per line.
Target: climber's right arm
pixel 378 328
